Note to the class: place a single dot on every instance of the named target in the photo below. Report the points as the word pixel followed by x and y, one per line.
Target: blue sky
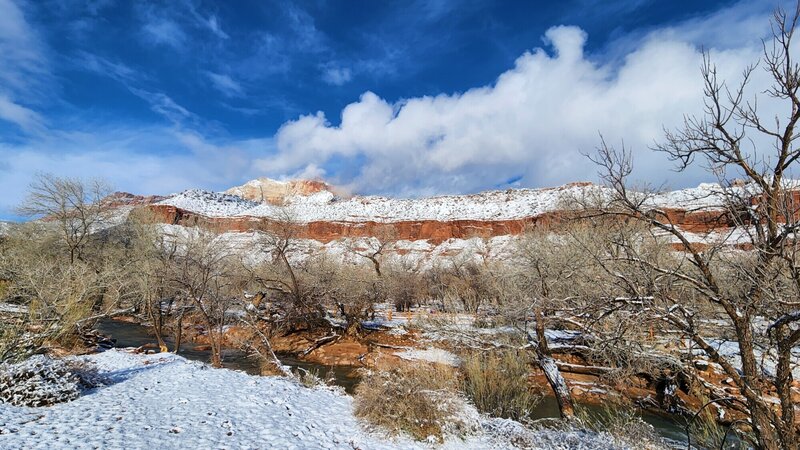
pixel 397 97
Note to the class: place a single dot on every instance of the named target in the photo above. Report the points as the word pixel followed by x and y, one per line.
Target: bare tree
pixel 278 275
pixel 204 273
pixel 75 205
pixel 755 292
pixel 58 299
pixel 375 247
pixel 152 257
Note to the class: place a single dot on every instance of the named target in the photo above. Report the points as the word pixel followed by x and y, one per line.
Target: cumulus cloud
pixel 532 125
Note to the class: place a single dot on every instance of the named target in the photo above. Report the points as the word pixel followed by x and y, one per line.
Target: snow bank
pixel 432 354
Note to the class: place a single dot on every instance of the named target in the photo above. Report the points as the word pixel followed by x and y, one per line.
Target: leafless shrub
pixel 421 400
pixel 88 374
pixel 60 299
pixel 38 381
pixel 498 384
pixel 403 287
pixel 625 426
pixel 469 283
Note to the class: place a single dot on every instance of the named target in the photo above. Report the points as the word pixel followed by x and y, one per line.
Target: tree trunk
pixel 554 378
pixel 783 385
pixel 765 433
pixel 216 343
pixel 157 326
pixel 558 384
pixel 216 356
pixel 178 333
pixel 752 379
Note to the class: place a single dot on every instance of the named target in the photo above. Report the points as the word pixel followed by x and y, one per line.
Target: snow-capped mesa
pixel 315 201
pixel 310 201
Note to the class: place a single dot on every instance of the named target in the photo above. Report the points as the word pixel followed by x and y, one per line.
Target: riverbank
pixel 339 363
pixel 168 402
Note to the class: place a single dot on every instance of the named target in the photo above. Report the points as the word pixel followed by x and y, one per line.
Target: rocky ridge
pixel 422 228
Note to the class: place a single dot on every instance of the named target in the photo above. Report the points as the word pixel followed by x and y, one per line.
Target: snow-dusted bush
pixel 43 381
pixel 422 401
pixel 624 425
pixel 497 383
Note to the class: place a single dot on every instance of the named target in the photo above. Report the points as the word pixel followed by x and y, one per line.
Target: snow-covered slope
pixel 510 204
pixel 326 206
pixel 211 204
pixel 164 401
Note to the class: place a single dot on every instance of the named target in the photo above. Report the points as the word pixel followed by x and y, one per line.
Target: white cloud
pixel 164 31
pixel 25 118
pixel 337 76
pixel 213 24
pixel 167 107
pixel 21 53
pixel 534 121
pixel 24 69
pixel 225 84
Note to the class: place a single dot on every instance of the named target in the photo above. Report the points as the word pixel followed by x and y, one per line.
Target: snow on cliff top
pixel 491 205
pixel 212 204
pixel 326 206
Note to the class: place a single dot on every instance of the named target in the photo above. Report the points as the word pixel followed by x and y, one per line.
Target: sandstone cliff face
pixel 276 192
pixel 433 231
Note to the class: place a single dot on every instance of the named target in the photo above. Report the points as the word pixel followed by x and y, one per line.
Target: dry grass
pixel 497 383
pixel 624 425
pixel 420 400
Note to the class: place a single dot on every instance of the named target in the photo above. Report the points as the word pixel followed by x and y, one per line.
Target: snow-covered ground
pixel 167 402
pixel 430 354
